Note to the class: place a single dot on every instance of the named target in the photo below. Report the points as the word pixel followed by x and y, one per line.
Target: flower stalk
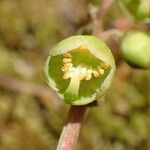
pixel 70 133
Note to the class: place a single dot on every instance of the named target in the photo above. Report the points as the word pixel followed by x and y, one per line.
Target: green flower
pixel 80 69
pixel 135 48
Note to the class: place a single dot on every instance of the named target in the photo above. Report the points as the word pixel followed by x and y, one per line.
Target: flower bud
pixel 143 10
pixel 135 49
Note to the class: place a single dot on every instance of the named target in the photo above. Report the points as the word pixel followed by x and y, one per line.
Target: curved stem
pixel 97 17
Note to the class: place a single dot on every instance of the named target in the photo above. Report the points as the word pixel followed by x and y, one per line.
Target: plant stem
pixel 70 133
pixel 97 17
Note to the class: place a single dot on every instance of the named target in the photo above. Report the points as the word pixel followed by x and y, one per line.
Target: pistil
pixel 71 93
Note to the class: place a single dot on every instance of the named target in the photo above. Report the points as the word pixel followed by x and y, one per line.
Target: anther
pixel 67 60
pixel 68 75
pixel 101 71
pixel 88 74
pixel 95 73
pixel 68 55
pixel 82 48
pixel 65 68
pixel 68 64
pixel 104 65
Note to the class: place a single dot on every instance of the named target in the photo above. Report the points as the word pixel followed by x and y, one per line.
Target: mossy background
pixel 30 120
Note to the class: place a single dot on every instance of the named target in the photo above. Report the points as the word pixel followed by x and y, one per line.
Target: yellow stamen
pixel 104 65
pixel 100 70
pixel 95 73
pixel 65 68
pixel 82 48
pixel 68 75
pixel 67 60
pixel 88 74
pixel 68 55
pixel 68 64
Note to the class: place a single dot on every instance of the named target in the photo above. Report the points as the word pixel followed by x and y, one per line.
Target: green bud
pixel 143 10
pixel 80 69
pixel 135 49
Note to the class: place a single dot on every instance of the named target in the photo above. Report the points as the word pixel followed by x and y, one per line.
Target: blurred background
pixel 31 115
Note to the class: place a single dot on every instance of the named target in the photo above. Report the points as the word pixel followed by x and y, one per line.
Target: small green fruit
pixel 80 69
pixel 135 48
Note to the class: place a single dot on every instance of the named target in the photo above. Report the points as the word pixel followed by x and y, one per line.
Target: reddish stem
pixel 97 17
pixel 70 133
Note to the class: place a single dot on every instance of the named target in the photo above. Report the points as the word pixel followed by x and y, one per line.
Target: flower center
pixel 78 73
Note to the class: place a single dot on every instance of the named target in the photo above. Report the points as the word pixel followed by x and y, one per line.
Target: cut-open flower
pixel 80 69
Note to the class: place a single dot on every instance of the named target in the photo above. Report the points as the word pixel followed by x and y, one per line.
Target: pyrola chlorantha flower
pixel 80 69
